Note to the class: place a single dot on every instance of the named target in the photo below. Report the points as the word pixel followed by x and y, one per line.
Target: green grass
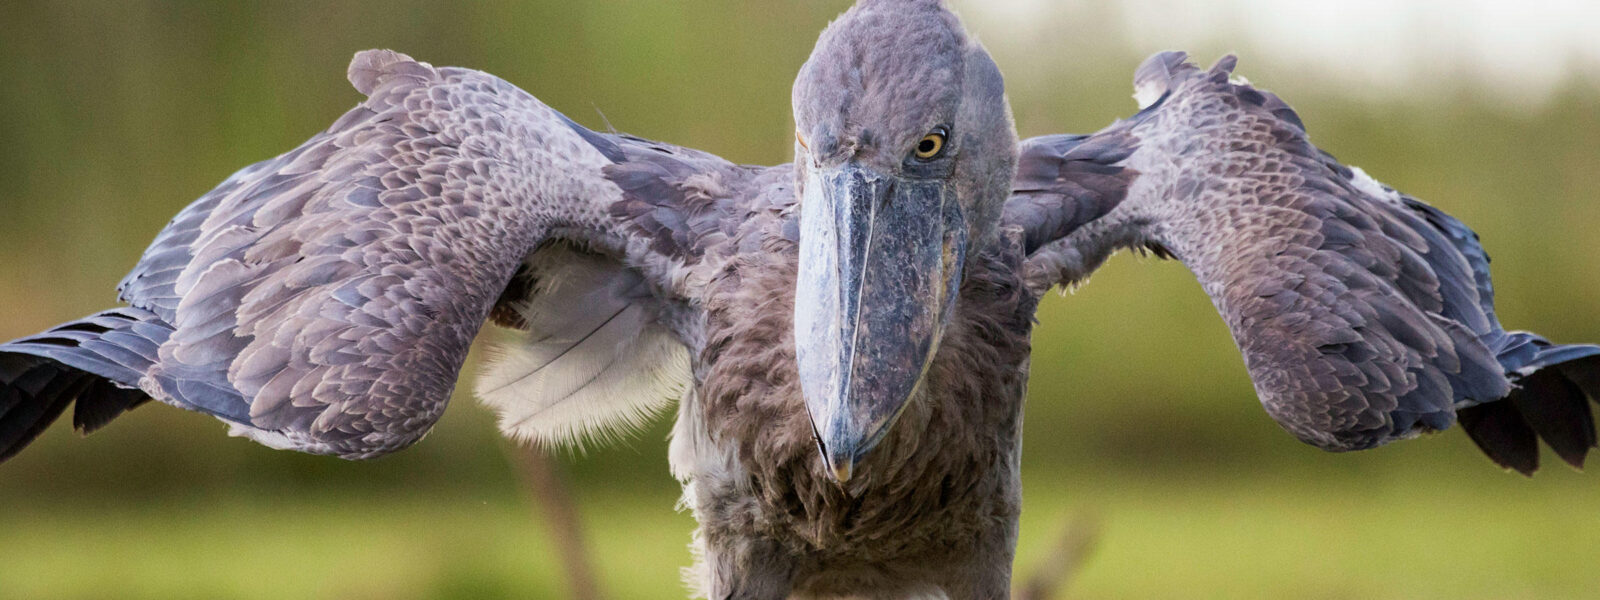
pixel 1405 538
pixel 1394 530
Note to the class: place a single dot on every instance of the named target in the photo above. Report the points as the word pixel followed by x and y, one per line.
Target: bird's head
pixel 905 151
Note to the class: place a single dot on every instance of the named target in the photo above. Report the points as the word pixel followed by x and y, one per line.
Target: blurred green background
pixel 115 115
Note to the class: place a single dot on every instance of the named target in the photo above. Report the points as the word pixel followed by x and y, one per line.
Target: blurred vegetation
pixel 115 115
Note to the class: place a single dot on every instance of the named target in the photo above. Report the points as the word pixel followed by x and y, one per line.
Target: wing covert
pixel 325 300
pixel 1363 314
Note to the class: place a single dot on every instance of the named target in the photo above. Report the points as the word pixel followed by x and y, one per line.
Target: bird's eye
pixel 931 146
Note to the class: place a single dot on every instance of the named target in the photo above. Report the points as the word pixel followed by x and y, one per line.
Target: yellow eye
pixel 931 145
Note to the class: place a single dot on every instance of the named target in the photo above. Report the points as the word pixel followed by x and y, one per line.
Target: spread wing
pixel 1364 315
pixel 325 300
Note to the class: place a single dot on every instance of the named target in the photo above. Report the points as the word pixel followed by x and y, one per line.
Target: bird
pixel 845 338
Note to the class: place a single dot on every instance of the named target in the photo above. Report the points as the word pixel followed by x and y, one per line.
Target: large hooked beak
pixel 880 265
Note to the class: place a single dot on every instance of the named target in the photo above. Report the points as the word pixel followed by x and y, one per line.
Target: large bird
pixel 846 337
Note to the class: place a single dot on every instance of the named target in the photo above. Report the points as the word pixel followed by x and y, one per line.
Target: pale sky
pixel 1516 50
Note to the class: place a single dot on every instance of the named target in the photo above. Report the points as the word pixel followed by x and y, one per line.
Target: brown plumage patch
pixel 939 482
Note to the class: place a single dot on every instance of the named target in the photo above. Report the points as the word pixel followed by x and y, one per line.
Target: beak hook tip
pixel 843 471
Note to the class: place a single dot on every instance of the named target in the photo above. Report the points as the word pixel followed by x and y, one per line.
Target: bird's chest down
pixel 943 477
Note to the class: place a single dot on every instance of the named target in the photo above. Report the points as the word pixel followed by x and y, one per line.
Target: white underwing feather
pixel 1372 187
pixel 594 363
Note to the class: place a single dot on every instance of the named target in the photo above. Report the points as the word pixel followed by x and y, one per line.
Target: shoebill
pixel 846 337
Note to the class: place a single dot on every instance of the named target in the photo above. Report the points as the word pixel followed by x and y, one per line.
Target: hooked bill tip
pixel 842 471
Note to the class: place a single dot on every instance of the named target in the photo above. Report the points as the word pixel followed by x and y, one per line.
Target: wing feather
pixel 325 300
pixel 592 359
pixel 1364 315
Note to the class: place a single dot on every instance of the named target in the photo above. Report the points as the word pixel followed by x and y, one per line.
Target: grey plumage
pixel 324 300
pixel 1364 315
pixel 84 364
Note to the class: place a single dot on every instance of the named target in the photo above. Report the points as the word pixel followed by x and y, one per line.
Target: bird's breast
pixel 946 467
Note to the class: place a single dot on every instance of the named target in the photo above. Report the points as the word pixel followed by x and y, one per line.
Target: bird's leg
pixel 543 479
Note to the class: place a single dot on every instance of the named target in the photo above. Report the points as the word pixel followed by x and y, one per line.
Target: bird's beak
pixel 880 264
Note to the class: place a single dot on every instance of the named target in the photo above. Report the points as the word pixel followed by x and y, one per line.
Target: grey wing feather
pixel 93 364
pixel 1363 314
pixel 325 300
